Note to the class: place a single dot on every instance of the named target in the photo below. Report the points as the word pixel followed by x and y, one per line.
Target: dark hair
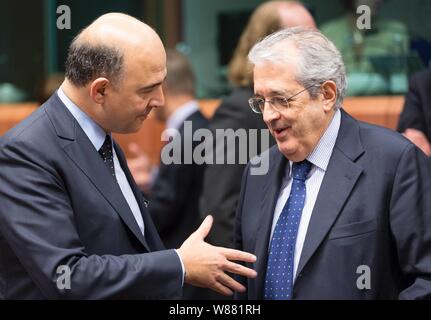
pixel 86 62
pixel 180 77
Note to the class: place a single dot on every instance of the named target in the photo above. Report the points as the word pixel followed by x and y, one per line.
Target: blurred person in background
pixel 222 182
pixel 375 57
pixel 415 119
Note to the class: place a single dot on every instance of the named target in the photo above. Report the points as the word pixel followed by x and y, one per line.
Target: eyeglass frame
pixel 270 101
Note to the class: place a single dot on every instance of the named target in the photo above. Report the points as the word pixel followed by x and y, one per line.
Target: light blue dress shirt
pixel 97 136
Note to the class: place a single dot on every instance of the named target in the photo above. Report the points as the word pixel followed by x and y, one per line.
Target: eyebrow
pixel 279 92
pixel 274 93
pixel 152 86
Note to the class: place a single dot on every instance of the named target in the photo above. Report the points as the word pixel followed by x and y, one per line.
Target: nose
pixel 159 98
pixel 269 113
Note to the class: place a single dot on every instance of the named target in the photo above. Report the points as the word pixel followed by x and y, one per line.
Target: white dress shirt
pixel 319 158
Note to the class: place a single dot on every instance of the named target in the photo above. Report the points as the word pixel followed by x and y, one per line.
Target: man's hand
pixel 206 265
pixel 140 168
pixel 419 139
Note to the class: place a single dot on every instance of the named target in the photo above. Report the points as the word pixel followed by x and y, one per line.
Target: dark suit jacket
pixel 222 182
pixel 174 203
pixel 59 205
pixel 417 106
pixel 373 209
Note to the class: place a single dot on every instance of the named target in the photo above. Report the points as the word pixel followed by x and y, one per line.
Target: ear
pixel 329 92
pixel 98 90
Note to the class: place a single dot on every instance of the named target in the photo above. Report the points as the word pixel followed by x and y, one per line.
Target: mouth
pixel 280 131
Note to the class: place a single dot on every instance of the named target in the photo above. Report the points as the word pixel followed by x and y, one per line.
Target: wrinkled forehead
pixel 275 78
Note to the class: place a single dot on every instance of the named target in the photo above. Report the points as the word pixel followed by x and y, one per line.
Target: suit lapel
pixel 151 234
pixel 340 178
pixel 81 151
pixel 270 191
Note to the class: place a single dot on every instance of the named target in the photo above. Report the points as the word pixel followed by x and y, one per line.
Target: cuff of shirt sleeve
pixel 182 267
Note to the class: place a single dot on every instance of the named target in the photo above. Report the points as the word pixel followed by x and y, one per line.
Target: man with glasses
pixel 345 209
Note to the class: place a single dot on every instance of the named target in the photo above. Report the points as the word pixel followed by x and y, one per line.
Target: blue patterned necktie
pixel 279 272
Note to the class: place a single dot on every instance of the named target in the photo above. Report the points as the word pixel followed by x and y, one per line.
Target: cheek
pixel 308 121
pixel 139 103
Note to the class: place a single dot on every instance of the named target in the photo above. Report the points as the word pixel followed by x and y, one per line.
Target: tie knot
pixel 300 170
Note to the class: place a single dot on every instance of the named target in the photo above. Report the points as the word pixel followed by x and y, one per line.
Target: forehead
pixel 146 67
pixel 270 78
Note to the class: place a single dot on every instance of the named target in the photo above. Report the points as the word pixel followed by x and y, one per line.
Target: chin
pixel 290 152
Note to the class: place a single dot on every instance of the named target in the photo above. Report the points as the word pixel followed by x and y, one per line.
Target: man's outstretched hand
pixel 206 265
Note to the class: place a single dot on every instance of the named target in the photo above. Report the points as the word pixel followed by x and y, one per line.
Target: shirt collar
pixel 177 118
pixel 93 131
pixel 321 154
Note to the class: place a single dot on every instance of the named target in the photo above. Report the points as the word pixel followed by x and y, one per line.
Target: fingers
pixel 204 228
pixel 218 287
pixel 237 255
pixel 230 283
pixel 225 285
pixel 240 270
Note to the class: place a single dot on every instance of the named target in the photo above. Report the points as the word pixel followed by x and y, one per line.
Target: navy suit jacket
pixel 373 209
pixel 59 205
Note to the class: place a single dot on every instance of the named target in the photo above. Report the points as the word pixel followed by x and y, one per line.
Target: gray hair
pixel 318 61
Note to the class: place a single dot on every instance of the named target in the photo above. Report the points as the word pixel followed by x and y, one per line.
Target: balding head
pixel 106 46
pixel 114 72
pixel 294 14
pixel 118 30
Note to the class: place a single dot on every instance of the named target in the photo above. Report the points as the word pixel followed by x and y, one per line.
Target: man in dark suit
pixel 415 119
pixel 345 209
pixel 73 223
pixel 222 182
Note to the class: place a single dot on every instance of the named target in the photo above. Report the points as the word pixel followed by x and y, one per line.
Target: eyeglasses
pixel 280 103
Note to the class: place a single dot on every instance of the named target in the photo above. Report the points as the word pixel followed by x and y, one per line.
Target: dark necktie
pixel 106 153
pixel 279 272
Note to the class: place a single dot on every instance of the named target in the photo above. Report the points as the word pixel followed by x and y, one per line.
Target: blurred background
pixel 33 50
pixel 379 60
